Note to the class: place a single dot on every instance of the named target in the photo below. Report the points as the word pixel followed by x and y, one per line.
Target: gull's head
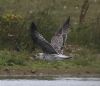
pixel 40 56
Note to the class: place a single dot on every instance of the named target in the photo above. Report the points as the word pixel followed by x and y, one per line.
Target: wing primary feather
pixel 41 41
pixel 60 37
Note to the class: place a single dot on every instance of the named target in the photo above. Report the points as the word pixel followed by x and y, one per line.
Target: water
pixel 51 82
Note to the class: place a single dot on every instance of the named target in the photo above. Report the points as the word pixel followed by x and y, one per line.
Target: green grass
pixel 48 15
pixel 85 61
pixel 11 58
pixel 82 58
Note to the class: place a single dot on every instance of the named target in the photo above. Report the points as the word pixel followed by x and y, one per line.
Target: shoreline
pixel 49 76
pixel 48 72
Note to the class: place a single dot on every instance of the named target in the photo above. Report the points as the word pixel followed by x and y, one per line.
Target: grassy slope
pixel 50 14
pixel 85 60
pixel 61 8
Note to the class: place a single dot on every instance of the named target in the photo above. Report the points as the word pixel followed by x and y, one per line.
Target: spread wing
pixel 41 41
pixel 59 39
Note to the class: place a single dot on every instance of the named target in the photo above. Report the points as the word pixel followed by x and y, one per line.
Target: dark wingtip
pixel 33 26
pixel 67 22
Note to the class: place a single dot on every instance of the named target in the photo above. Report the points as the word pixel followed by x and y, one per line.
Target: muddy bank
pixel 29 73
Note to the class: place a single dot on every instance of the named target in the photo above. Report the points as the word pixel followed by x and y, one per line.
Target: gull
pixel 54 50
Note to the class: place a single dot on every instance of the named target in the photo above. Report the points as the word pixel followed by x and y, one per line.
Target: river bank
pixel 24 72
pixel 46 74
pixel 85 61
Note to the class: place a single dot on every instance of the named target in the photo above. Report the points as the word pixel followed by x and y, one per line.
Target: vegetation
pixel 85 61
pixel 83 40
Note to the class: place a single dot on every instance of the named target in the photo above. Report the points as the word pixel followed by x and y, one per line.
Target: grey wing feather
pixel 41 42
pixel 59 39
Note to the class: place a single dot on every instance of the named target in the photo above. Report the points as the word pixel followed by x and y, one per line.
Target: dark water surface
pixel 51 82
